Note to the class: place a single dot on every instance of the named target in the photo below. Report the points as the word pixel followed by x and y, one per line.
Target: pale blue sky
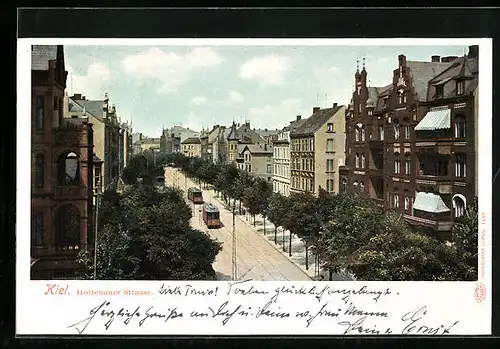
pixel 199 86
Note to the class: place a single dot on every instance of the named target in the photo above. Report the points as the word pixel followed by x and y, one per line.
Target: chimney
pixel 265 129
pixel 334 105
pixel 238 124
pixel 315 109
pixel 473 51
pixel 83 98
pixel 299 117
pixel 402 60
pixel 77 97
pixel 448 59
pixel 435 59
pixel 247 124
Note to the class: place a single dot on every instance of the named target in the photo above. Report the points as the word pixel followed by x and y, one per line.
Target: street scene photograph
pixel 254 162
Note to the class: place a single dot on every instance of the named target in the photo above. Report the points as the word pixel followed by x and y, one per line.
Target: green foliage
pixel 465 234
pixel 278 208
pixel 146 235
pixel 303 218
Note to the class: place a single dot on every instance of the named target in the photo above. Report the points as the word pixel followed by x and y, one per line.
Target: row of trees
pixel 349 233
pixel 145 233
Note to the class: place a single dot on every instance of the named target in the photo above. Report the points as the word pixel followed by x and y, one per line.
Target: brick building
pixel 412 145
pixel 62 153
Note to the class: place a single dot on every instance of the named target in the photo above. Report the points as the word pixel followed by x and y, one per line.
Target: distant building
pixel 256 160
pixel 317 151
pixel 412 145
pixel 281 158
pixel 146 143
pixel 62 153
pixel 191 147
pixel 172 138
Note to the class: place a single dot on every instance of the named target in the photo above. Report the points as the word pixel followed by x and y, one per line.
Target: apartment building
pixel 412 144
pixel 191 147
pixel 317 150
pixel 257 160
pixel 281 157
pixel 62 153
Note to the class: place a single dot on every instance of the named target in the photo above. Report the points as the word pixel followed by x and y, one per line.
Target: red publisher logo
pixel 480 292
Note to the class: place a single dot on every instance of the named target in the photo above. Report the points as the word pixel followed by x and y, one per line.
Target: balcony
pixel 70 192
pixel 439 147
pixel 429 223
pixel 442 185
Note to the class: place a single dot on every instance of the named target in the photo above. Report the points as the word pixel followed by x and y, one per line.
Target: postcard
pixel 254 187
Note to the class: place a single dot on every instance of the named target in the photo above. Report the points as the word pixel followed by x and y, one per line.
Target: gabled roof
pixel 41 55
pixel 256 149
pixel 246 134
pixel 93 107
pixel 315 121
pixel 294 125
pixel 422 73
pixel 192 140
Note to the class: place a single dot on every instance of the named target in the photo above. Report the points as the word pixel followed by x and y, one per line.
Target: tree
pixel 147 236
pixel 278 209
pixel 465 236
pixel 242 182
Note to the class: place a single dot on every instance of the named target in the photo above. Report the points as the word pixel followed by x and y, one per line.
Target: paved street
pixel 257 258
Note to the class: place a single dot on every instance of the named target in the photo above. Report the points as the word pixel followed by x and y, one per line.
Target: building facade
pixel 412 144
pixel 256 160
pixel 281 158
pixel 317 151
pixel 191 147
pixel 62 154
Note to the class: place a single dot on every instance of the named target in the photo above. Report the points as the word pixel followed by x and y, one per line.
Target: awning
pixel 429 202
pixel 435 120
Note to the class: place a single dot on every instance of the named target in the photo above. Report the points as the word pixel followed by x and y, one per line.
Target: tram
pixel 195 195
pixel 211 216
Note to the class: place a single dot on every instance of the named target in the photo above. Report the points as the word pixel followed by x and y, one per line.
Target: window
pixel 404 97
pixel 362 186
pixel 397 166
pixel 396 200
pixel 357 160
pixel 460 166
pixel 343 189
pixel 39 113
pixel 459 126
pixel 396 130
pixel 381 132
pixel 307 165
pixel 355 185
pixel 329 185
pixel 359 108
pixel 311 144
pixel 356 131
pixel 40 171
pixel 329 127
pixel 363 134
pixel 303 184
pixel 459 205
pixel 460 87
pixel 249 168
pixel 363 160
pixel 269 179
pixel 407 166
pixel 439 91
pixel 400 97
pixel 407 131
pixel 68 169
pixel 311 185
pixel 311 163
pixel 37 221
pixel 329 144
pixel 329 165
pixel 303 165
pixel 407 203
pixel 97 177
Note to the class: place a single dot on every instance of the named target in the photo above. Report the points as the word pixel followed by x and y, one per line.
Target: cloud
pixel 93 84
pixel 267 70
pixel 198 100
pixel 170 68
pixel 270 115
pixel 235 97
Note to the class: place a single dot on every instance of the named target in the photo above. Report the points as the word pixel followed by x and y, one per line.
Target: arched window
pixel 397 163
pixel 68 169
pixel 344 185
pixel 459 205
pixel 357 160
pixel 363 135
pixel 39 170
pixel 356 131
pixel 362 186
pixel 404 97
pixel 67 224
pixel 355 185
pixel 460 166
pixel 459 126
pixel 39 113
pixel 407 164
pixel 396 129
pixel 363 160
pixel 396 199
pixel 381 132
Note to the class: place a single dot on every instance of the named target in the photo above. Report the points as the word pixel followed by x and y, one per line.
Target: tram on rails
pixel 195 195
pixel 211 216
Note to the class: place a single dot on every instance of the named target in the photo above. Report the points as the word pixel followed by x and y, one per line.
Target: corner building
pixel 412 145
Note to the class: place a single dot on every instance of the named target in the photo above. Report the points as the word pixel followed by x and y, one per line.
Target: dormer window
pixel 439 91
pixel 460 87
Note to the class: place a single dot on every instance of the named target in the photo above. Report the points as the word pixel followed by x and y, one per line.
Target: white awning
pixel 435 120
pixel 429 202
